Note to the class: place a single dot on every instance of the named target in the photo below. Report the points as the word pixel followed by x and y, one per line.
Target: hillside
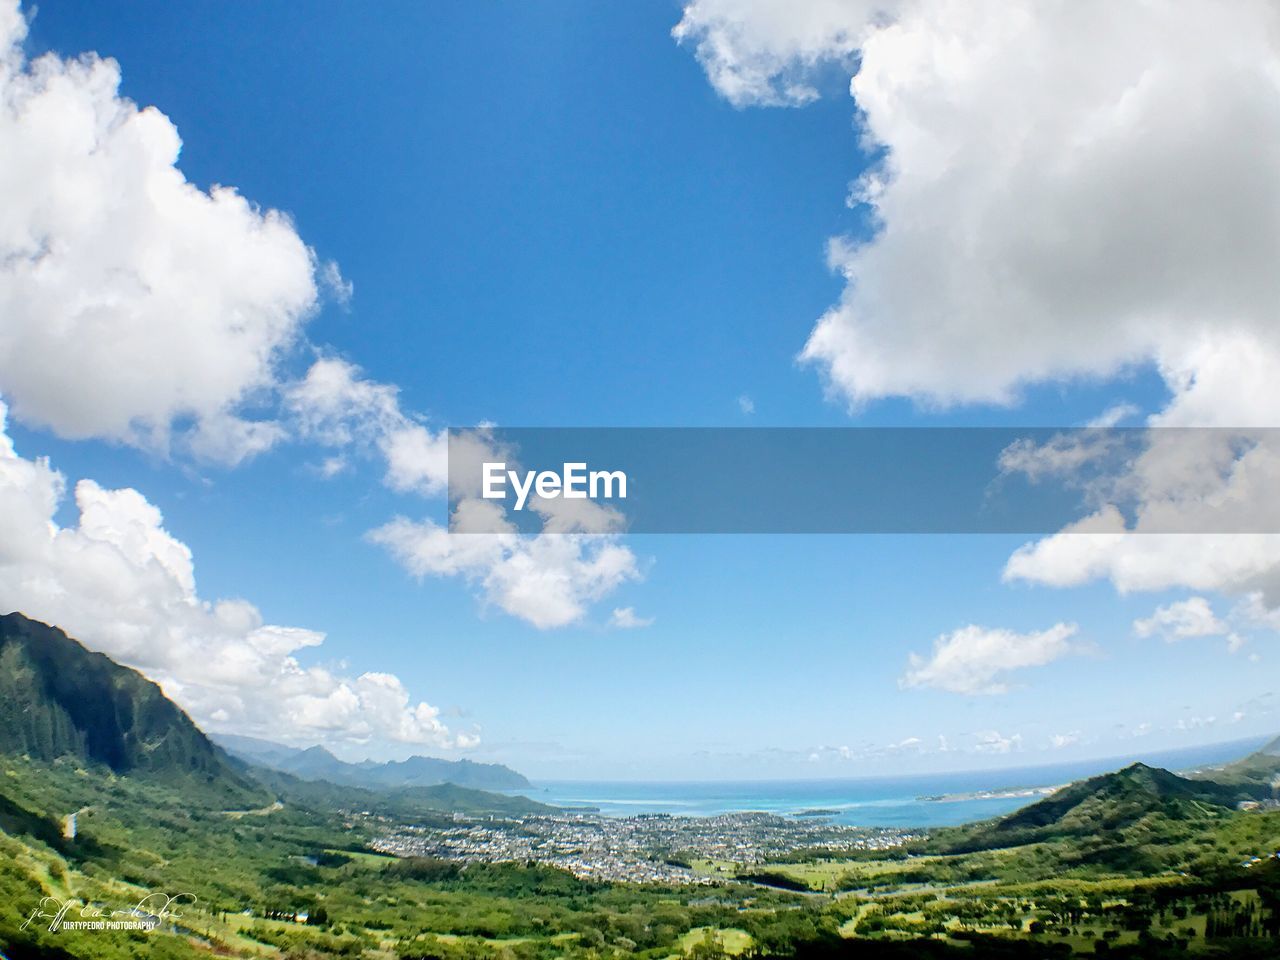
pixel 317 763
pixel 59 700
pixel 1137 801
pixel 1258 773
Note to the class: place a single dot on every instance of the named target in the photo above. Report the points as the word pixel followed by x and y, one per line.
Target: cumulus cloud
pixel 335 405
pixel 138 308
pixel 764 52
pixel 1043 215
pixel 1193 617
pixel 1199 506
pixel 122 584
pixel 547 580
pixel 974 660
pixel 1066 189
pixel 1059 191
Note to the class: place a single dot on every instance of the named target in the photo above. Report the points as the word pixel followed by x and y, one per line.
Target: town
pixel 649 848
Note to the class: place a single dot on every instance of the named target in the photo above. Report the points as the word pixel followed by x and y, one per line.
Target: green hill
pixel 1116 800
pixel 1136 802
pixel 1258 773
pixel 59 700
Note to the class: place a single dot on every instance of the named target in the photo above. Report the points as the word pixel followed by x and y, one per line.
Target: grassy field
pixel 731 940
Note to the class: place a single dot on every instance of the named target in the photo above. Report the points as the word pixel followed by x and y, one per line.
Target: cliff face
pixel 58 699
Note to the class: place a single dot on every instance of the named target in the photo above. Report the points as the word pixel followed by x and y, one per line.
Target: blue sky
pixel 551 216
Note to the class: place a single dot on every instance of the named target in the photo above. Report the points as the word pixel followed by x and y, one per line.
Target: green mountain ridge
pixel 1258 773
pixel 1137 802
pixel 59 700
pixel 60 703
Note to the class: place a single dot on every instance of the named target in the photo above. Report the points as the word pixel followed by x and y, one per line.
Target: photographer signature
pixel 71 914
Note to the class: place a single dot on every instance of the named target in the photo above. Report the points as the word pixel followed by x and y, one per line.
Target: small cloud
pixel 973 660
pixel 332 466
pixel 337 286
pixel 1060 741
pixel 1253 611
pixel 1193 617
pixel 624 618
pixel 1114 415
pixel 746 405
pixel 992 741
pixel 1196 723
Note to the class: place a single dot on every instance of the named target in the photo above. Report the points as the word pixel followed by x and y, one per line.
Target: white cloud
pixel 1204 484
pixel 336 406
pixel 121 583
pixel 746 405
pixel 141 309
pixel 1066 190
pixel 547 580
pixel 761 51
pixel 1193 617
pixel 1114 415
pixel 1060 741
pixel 1253 611
pixel 974 660
pixel 624 618
pixel 1196 723
pixel 1062 191
pixel 992 741
pixel 138 308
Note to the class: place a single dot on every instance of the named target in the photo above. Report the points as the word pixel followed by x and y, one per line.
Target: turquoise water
pixel 869 802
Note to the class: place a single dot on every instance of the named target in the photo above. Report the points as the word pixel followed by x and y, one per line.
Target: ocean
pixel 907 801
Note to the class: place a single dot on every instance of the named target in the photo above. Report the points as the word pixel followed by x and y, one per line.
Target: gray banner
pixel 863 480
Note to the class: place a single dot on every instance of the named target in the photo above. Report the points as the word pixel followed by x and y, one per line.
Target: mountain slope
pixel 1132 801
pixel 1115 800
pixel 58 699
pixel 317 763
pixel 1259 772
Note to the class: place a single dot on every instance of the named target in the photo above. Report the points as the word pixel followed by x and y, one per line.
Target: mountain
pixel 317 763
pixel 1259 772
pixel 1115 800
pixel 403 804
pixel 58 700
pixel 263 753
pixel 1129 801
